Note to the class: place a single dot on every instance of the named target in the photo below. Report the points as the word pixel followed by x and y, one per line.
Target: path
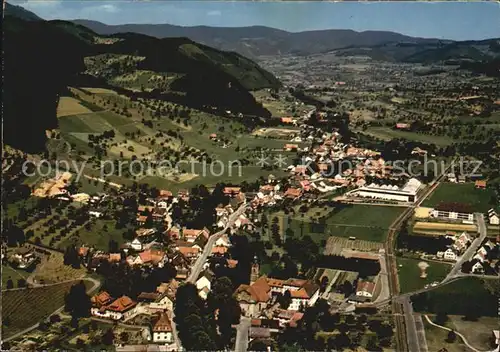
pixel 96 284
pixel 242 330
pixel 456 332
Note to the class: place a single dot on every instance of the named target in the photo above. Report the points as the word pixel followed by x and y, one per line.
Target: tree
pixel 285 300
pixel 452 337
pixel 71 257
pixel 441 318
pixel 77 302
pixel 108 337
pixel 21 283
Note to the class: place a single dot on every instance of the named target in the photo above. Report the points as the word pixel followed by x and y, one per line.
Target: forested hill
pixel 43 57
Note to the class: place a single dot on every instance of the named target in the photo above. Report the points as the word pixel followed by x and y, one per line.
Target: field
pixel 336 245
pixel 365 222
pixel 477 333
pixel 387 133
pixel 478 199
pixel 409 274
pixel 70 106
pixel 24 308
pixel 473 295
pixel 98 235
pixel 436 339
pixel 439 228
pixel 9 273
pixel 52 269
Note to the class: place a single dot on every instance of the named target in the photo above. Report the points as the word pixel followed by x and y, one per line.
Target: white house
pixel 163 304
pixel 162 330
pixel 223 241
pixel 477 268
pixel 203 286
pixel 95 214
pixel 493 217
pixel 449 254
pixel 122 307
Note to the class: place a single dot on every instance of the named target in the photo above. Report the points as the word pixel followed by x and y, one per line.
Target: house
pixel 253 298
pixel 24 257
pixel 231 191
pixel 305 296
pixel 286 120
pixel 293 193
pixel 461 179
pixel 213 136
pixel 287 317
pixel 496 337
pixel 290 147
pixel 189 252
pixel 480 184
pixel 143 238
pixel 191 235
pixel 223 241
pixel 494 219
pixel 477 268
pixel 203 284
pixel 153 257
pixel 452 177
pixel 162 329
pixel 122 307
pixel 141 220
pixel 365 288
pixel 101 299
pixel 403 126
pixel 449 254
pixel 219 250
pixel 95 214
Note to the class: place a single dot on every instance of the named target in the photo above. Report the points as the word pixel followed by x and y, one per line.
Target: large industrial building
pixel 407 193
pixel 453 211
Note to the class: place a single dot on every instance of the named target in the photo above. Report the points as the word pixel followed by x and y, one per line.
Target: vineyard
pixel 24 308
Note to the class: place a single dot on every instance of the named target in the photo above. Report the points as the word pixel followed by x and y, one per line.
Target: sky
pixel 445 20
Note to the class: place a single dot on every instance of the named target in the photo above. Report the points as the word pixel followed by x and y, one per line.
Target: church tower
pixel 255 273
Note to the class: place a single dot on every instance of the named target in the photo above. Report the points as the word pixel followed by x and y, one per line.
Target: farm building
pixel 453 211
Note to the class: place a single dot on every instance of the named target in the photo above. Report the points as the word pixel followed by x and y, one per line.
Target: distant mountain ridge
pixel 258 41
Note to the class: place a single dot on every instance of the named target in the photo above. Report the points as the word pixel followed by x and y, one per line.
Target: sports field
pixel 478 199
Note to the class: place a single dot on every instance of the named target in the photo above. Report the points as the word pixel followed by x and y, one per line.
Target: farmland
pixel 336 245
pixel 25 308
pixel 365 222
pixel 52 269
pixel 478 199
pixel 386 133
pixel 409 274
pixel 70 106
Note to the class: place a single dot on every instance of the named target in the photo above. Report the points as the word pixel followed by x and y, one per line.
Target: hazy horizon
pixel 443 20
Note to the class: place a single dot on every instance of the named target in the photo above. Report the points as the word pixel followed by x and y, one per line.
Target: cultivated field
pixel 52 269
pixel 409 274
pixel 477 333
pixel 387 133
pixel 436 337
pixel 337 245
pixel 478 199
pixel 276 132
pixel 52 186
pixel 24 308
pixel 439 228
pixel 70 106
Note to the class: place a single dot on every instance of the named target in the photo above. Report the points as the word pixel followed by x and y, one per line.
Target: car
pixel 434 284
pixel 426 286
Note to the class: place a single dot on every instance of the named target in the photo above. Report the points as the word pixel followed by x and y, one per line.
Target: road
pixel 242 331
pixel 469 253
pixel 198 265
pixel 398 306
pixel 207 250
pixel 95 286
pixel 411 328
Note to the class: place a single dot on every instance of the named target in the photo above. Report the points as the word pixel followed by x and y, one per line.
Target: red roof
pixel 365 286
pixel 122 304
pixel 163 324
